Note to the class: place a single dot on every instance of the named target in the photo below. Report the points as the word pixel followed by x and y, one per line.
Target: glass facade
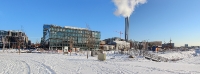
pixel 57 37
pixel 2 34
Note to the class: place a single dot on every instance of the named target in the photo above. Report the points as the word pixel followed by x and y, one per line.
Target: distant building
pixel 11 39
pixel 151 44
pixel 1 41
pixel 110 40
pixel 102 42
pixel 186 45
pixel 155 43
pixel 114 43
pixel 29 43
pixel 121 45
pixel 195 46
pixel 57 37
pixel 3 34
pixel 168 45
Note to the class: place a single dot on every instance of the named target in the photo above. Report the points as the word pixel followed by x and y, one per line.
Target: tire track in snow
pixel 6 66
pixel 96 67
pixel 78 66
pixel 29 70
pixel 21 65
pixel 36 67
pixel 14 66
pixel 51 71
pixel 121 68
pixel 75 65
pixel 78 70
pixel 64 60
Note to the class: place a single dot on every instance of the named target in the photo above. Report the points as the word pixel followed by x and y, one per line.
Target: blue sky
pixel 156 20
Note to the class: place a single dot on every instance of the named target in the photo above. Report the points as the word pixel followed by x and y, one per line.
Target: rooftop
pixel 75 28
pixel 11 30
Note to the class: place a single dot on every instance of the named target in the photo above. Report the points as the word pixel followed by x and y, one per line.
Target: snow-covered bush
pixel 197 52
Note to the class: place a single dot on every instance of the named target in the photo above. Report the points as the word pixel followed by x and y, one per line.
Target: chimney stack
pixel 126 28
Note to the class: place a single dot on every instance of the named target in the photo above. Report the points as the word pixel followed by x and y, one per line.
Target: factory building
pixel 58 38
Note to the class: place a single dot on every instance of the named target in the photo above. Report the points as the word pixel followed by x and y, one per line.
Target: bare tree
pixel 19 41
pixel 92 44
pixel 145 48
pixel 71 45
pixel 4 43
pixel 8 39
pixel 88 45
pixel 90 41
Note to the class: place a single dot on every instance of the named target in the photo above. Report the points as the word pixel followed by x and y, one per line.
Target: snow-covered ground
pixel 170 55
pixel 45 63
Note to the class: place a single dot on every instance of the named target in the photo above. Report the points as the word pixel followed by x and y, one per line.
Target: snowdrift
pixel 178 55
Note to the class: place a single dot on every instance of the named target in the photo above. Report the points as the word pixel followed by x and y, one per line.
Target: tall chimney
pixel 126 28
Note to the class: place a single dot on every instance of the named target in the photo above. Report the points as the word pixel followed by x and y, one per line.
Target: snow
pixel 49 63
pixel 197 52
pixel 177 54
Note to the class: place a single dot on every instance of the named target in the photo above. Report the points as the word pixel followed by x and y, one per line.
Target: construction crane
pixel 119 33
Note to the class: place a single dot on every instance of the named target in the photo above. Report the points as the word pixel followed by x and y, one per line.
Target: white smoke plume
pixel 126 7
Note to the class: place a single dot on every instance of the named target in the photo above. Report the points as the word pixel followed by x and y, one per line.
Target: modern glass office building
pixel 57 37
